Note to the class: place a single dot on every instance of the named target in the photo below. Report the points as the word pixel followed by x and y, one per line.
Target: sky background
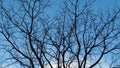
pixel 98 5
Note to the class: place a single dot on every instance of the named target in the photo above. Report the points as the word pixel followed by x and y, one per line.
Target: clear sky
pixel 99 4
pixel 103 4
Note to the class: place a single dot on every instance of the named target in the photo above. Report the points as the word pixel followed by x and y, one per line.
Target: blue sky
pixel 103 4
pixel 99 4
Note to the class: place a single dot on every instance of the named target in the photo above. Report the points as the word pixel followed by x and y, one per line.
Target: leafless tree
pixel 78 34
pixel 84 36
pixel 24 27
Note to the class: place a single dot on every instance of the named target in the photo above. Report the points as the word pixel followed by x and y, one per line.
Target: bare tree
pixel 23 26
pixel 76 35
pixel 83 36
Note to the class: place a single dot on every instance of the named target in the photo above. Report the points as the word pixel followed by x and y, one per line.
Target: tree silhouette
pixel 76 35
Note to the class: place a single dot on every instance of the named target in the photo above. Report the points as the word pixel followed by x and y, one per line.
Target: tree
pixel 24 29
pixel 76 35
